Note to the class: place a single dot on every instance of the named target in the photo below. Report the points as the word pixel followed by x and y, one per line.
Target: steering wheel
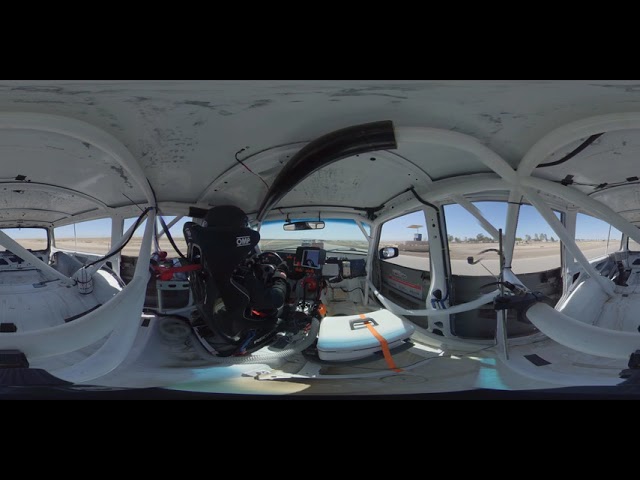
pixel 262 256
pixel 267 263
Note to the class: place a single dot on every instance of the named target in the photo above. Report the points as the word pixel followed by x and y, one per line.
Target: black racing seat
pixel 219 288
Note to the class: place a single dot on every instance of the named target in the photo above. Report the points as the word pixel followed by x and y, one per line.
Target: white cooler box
pixel 348 338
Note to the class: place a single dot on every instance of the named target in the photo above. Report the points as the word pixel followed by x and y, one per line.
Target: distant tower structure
pixel 417 237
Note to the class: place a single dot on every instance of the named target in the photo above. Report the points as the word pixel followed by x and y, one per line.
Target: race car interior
pixel 229 321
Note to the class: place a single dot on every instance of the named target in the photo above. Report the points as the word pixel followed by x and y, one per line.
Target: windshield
pixel 337 235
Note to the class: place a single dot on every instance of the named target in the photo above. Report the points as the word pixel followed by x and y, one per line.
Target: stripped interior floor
pixel 30 301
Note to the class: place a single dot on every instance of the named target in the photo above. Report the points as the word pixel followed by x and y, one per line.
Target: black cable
pixel 352 290
pixel 155 198
pixel 170 238
pixel 599 186
pixel 136 225
pixel 613 185
pixel 579 184
pixel 347 291
pixel 447 278
pixel 158 314
pixel 572 154
pixel 164 225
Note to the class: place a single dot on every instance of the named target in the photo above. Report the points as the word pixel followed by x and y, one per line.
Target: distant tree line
pixel 482 238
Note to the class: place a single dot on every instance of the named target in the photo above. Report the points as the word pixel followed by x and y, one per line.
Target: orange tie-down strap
pixel 383 343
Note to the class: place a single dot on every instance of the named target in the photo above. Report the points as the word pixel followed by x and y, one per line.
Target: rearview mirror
pixel 292 226
pixel 389 252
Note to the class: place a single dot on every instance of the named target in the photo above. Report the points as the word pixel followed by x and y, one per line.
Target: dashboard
pixel 318 262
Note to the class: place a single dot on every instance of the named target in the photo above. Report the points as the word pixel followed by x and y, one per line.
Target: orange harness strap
pixel 383 344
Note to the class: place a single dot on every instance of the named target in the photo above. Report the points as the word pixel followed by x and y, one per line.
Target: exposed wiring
pixel 157 313
pixel 613 185
pixel 347 291
pixel 164 227
pixel 129 198
pixel 597 186
pixel 136 225
pixel 155 197
pixel 616 184
pixel 170 238
pixel 352 290
pixel 248 169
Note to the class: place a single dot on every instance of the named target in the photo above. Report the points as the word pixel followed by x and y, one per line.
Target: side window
pixel 467 238
pixel 132 248
pixel 405 279
pixel 93 236
pixel 409 234
pixel 596 238
pixel 633 246
pixel 30 238
pixel 537 247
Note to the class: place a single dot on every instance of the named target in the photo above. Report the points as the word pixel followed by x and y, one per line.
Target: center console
pixel 309 259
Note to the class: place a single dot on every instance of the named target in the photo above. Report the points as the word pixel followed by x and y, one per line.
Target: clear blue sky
pixel 589 228
pixel 397 230
pixel 460 224
pixel 26 233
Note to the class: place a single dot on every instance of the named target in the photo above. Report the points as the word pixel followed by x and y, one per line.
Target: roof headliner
pixel 184 135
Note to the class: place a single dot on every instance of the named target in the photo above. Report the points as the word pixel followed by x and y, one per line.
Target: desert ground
pixel 534 256
pixel 531 257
